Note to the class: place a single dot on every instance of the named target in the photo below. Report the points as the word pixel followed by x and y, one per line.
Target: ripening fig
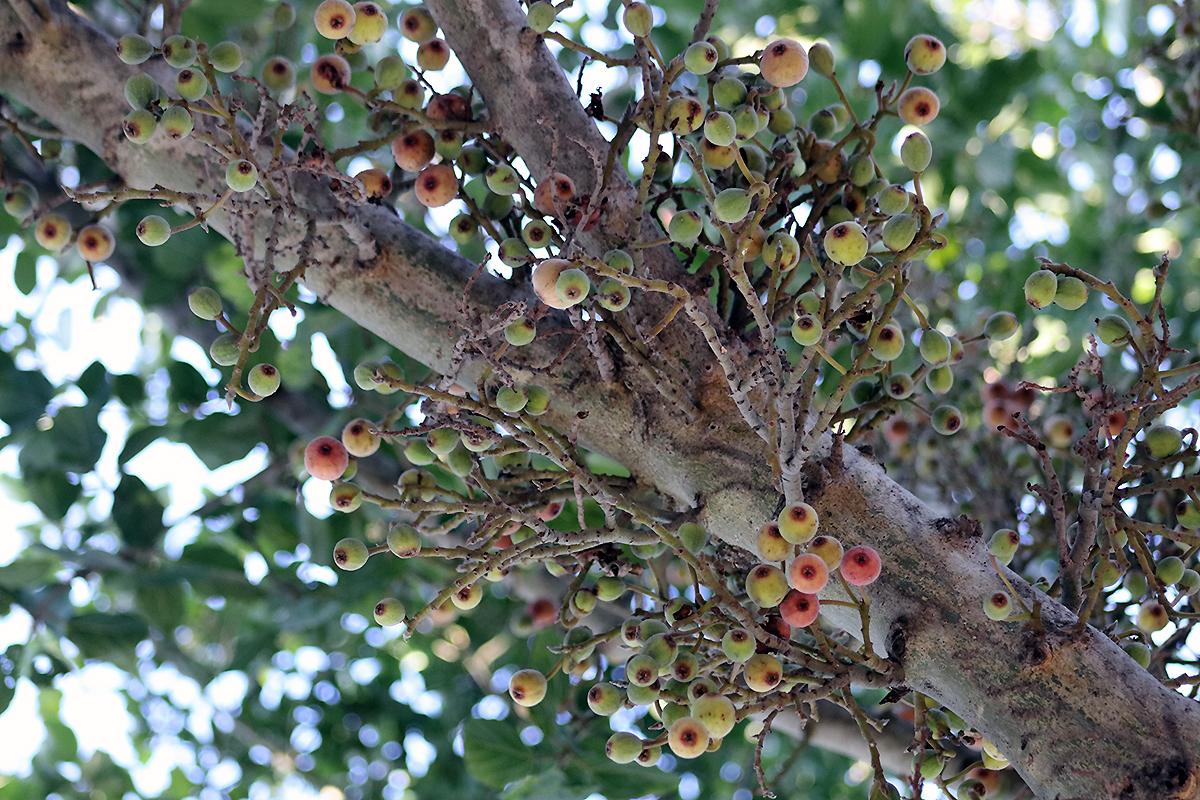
pixel 191 84
pixel 330 73
pixel 685 227
pixel 552 193
pixel 414 150
pixel 798 522
pixel 153 230
pixel 539 400
pixel 781 251
pixel 537 234
pixel 1152 617
pixel 358 439
pixel 467 597
pixel 1071 294
pixel 762 672
pixel 20 200
pixel 807 330
pixel 623 747
pixel 1040 288
pixel 345 497
pixel 527 687
pixel 808 573
pixel 688 737
pixel 95 243
pixel 638 19
pixel 134 49
pixel 410 94
pixel 917 106
pixel 1113 330
pixel 225 57
pixel 417 25
pixel 613 295
pixel 205 303
pixel 278 74
pixel 766 585
pixel 1001 325
pixel 641 670
pixel 604 699
pixel 389 611
pixel 241 175
pixel 545 277
pixel 890 343
pixel 139 126
pixel 799 609
pixel 376 183
pixel 738 644
pixel 326 458
pixel 334 19
pixel 846 243
pixel 700 58
pixel 916 152
pixel 370 23
pixel 861 565
pixel 572 286
pixel 1003 545
pixel 946 419
pixel 179 51
pixel 684 667
pixel 433 55
pixel 924 54
pixel 53 232
pixel 898 386
pixel 436 186
pixel 703 686
pixel 177 122
pixel 715 712
pixel 828 549
pixel 732 205
pixel 717 156
pixel 350 554
pixel 998 606
pixel 783 63
pixel 683 115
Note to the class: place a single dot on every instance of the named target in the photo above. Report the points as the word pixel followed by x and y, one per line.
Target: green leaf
pixel 129 389
pixel 52 492
pixel 548 784
pixel 137 513
pixel 494 752
pixel 188 387
pixel 138 440
pixel 23 395
pixel 95 384
pixel 29 571
pixel 108 637
pixel 220 439
pixel 25 272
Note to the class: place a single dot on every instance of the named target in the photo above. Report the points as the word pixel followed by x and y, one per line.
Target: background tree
pixel 701 402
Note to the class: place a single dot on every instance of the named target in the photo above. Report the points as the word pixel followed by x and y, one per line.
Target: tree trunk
pixel 1074 714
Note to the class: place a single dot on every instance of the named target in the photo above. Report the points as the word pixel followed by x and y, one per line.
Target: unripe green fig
pixel 894 199
pixel 619 260
pixel 278 74
pixel 139 126
pixel 899 231
pixel 916 152
pixel 604 699
pixel 1169 570
pixel 1040 288
pixel 781 251
pixel 263 379
pixel 1139 653
pixel 766 585
pixel 1189 582
pixel 623 747
pixel 537 234
pixel 998 606
pixel 389 611
pixel 890 343
pixel 820 59
pixel 846 243
pixel 1113 330
pixel 823 123
pixel 540 16
pixel 179 51
pixel 692 536
pixel 898 386
pixel 140 91
pixel 241 175
pixel 782 122
pixel 1188 515
pixel 350 554
pixel 205 303
pixel 1136 584
pixel 1003 545
pixel 613 295
pixel 345 497
pixel 946 419
pixel 746 121
pixel 1071 292
pixel 464 229
pixel 539 400
pixel 700 58
pixel 513 252
pixel 134 49
pixel 225 57
pixel 21 199
pixel 572 286
pixel 511 400
pixel 861 169
pixel 732 205
pixel 177 122
pixel 225 350
pixel 417 452
pixel 1163 441
pixel 939 380
pixel 502 179
pixel 738 644
pixel 685 227
pixel 153 230
pixel 609 589
pixel 935 347
pixel 520 332
pixel 807 330
pixel 191 84
pixel 442 441
pixel 720 127
pixel 1001 325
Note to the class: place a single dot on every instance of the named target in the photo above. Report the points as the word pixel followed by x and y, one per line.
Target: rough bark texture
pixel 1075 715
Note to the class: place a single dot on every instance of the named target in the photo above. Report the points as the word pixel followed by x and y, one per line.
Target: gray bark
pixel 1075 715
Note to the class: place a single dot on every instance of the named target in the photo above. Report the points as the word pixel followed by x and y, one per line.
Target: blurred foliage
pixel 1052 140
